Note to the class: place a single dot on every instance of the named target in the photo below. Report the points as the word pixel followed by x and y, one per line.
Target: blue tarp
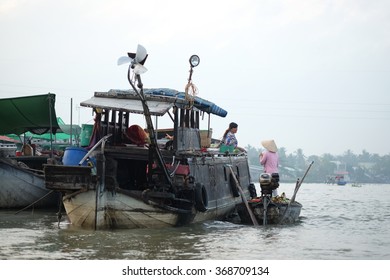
pixel 199 103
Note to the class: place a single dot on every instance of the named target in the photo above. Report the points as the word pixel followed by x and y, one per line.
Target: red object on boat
pixel 137 135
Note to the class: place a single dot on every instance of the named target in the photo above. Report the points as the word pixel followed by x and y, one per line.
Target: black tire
pixel 201 198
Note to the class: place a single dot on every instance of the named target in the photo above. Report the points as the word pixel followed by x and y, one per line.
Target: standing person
pixel 270 160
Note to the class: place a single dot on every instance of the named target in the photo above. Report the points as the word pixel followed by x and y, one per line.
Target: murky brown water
pixel 337 223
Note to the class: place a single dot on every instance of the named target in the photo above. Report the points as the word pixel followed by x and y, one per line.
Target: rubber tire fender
pixel 201 197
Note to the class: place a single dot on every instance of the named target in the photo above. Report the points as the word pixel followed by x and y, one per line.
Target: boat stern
pixel 65 178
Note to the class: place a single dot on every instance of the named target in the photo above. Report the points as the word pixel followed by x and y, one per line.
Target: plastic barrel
pixel 73 155
pixel 86 133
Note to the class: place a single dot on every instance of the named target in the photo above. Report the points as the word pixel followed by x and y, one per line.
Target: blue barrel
pixel 73 155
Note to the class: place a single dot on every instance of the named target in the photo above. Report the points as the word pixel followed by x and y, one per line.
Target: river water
pixel 337 223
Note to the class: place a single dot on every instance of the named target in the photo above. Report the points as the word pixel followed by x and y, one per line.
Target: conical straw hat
pixel 269 145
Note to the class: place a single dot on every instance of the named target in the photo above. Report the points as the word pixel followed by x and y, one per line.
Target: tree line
pixel 361 168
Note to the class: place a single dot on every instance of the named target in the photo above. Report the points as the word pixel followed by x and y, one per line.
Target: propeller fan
pixel 136 60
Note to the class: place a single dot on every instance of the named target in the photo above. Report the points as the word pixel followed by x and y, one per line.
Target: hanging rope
pixel 59 213
pixel 191 91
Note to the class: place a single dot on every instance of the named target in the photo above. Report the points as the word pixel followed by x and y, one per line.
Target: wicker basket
pixel 205 138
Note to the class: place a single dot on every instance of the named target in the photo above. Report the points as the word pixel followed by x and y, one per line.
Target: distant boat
pixel 7 146
pixel 340 176
pixel 338 179
pixel 22 182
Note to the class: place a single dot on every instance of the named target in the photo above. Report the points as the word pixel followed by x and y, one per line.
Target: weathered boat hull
pixel 121 211
pixel 92 205
pixel 276 212
pixel 21 187
pixel 115 210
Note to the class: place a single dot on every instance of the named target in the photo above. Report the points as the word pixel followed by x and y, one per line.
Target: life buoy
pixel 201 198
pixel 233 185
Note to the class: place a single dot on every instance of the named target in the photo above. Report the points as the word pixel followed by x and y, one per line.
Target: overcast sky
pixel 310 74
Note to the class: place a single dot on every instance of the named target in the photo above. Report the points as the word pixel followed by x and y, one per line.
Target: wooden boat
pixel 269 209
pixel 141 180
pixel 338 179
pixel 22 180
pixel 340 176
pixel 22 185
pixel 277 210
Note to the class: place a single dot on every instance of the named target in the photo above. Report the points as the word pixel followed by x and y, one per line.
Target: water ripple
pixel 335 223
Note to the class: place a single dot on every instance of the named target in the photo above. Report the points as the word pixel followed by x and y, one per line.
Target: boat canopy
pixel 62 134
pixel 159 101
pixel 30 113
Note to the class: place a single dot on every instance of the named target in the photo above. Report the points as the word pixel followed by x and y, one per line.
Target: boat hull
pixel 21 187
pixel 341 183
pixel 115 210
pixel 94 204
pixel 276 212
pixel 121 211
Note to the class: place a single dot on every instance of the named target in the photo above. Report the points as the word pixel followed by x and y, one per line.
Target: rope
pixel 59 214
pixel 191 91
pixel 32 204
pixel 174 171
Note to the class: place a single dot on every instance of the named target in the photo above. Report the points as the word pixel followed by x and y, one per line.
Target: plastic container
pixel 73 155
pixel 86 133
pixel 224 149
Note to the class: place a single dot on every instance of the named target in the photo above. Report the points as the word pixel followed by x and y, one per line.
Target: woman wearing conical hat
pixel 270 159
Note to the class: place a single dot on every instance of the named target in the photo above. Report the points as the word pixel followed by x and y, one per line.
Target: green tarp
pixel 62 134
pixel 35 114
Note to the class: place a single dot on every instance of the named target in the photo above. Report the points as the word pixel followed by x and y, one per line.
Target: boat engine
pixel 268 183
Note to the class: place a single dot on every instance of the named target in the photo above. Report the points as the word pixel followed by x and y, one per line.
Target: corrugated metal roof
pixel 159 101
pixel 158 108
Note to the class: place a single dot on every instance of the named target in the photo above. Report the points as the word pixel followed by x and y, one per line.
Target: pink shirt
pixel 270 161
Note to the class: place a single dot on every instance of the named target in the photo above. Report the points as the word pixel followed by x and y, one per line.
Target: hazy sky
pixel 310 74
